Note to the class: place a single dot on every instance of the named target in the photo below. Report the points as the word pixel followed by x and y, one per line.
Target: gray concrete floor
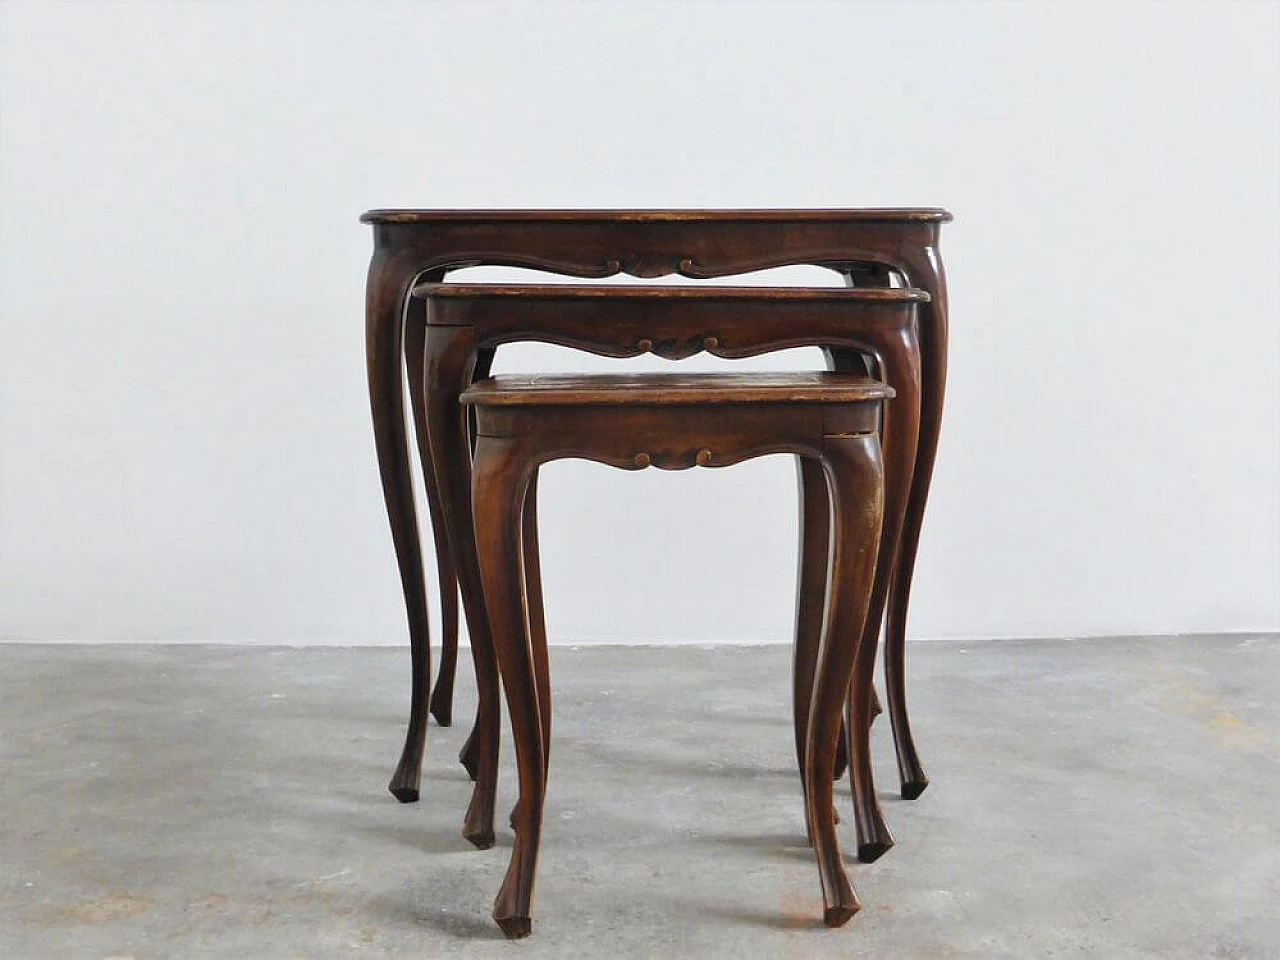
pixel 1103 799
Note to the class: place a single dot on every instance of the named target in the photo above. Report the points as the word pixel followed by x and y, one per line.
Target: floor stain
pixel 1177 691
pixel 116 905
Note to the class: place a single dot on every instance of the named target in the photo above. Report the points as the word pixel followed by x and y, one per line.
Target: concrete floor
pixel 1102 799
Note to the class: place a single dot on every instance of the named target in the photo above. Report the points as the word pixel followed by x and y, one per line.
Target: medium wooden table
pixel 413 246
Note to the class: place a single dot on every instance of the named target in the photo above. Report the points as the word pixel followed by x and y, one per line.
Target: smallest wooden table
pixel 674 423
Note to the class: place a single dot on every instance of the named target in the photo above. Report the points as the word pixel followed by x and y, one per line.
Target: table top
pixel 873 215
pixel 673 389
pixel 618 291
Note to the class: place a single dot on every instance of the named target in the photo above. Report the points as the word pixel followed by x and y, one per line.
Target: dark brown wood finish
pixel 627 390
pixel 440 702
pixel 674 423
pixel 411 245
pixel 730 322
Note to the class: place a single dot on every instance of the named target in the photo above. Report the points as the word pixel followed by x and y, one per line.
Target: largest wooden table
pixel 413 246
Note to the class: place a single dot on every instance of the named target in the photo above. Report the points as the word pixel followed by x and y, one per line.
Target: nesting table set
pixel 864 432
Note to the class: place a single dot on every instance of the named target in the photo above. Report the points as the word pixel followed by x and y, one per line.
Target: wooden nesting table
pixel 675 422
pixel 868 247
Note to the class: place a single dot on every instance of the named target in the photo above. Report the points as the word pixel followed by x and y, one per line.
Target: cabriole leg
pixel 501 475
pixel 856 483
pixel 926 272
pixel 387 291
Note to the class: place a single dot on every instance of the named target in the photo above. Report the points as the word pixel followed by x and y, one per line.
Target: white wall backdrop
pixel 184 429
